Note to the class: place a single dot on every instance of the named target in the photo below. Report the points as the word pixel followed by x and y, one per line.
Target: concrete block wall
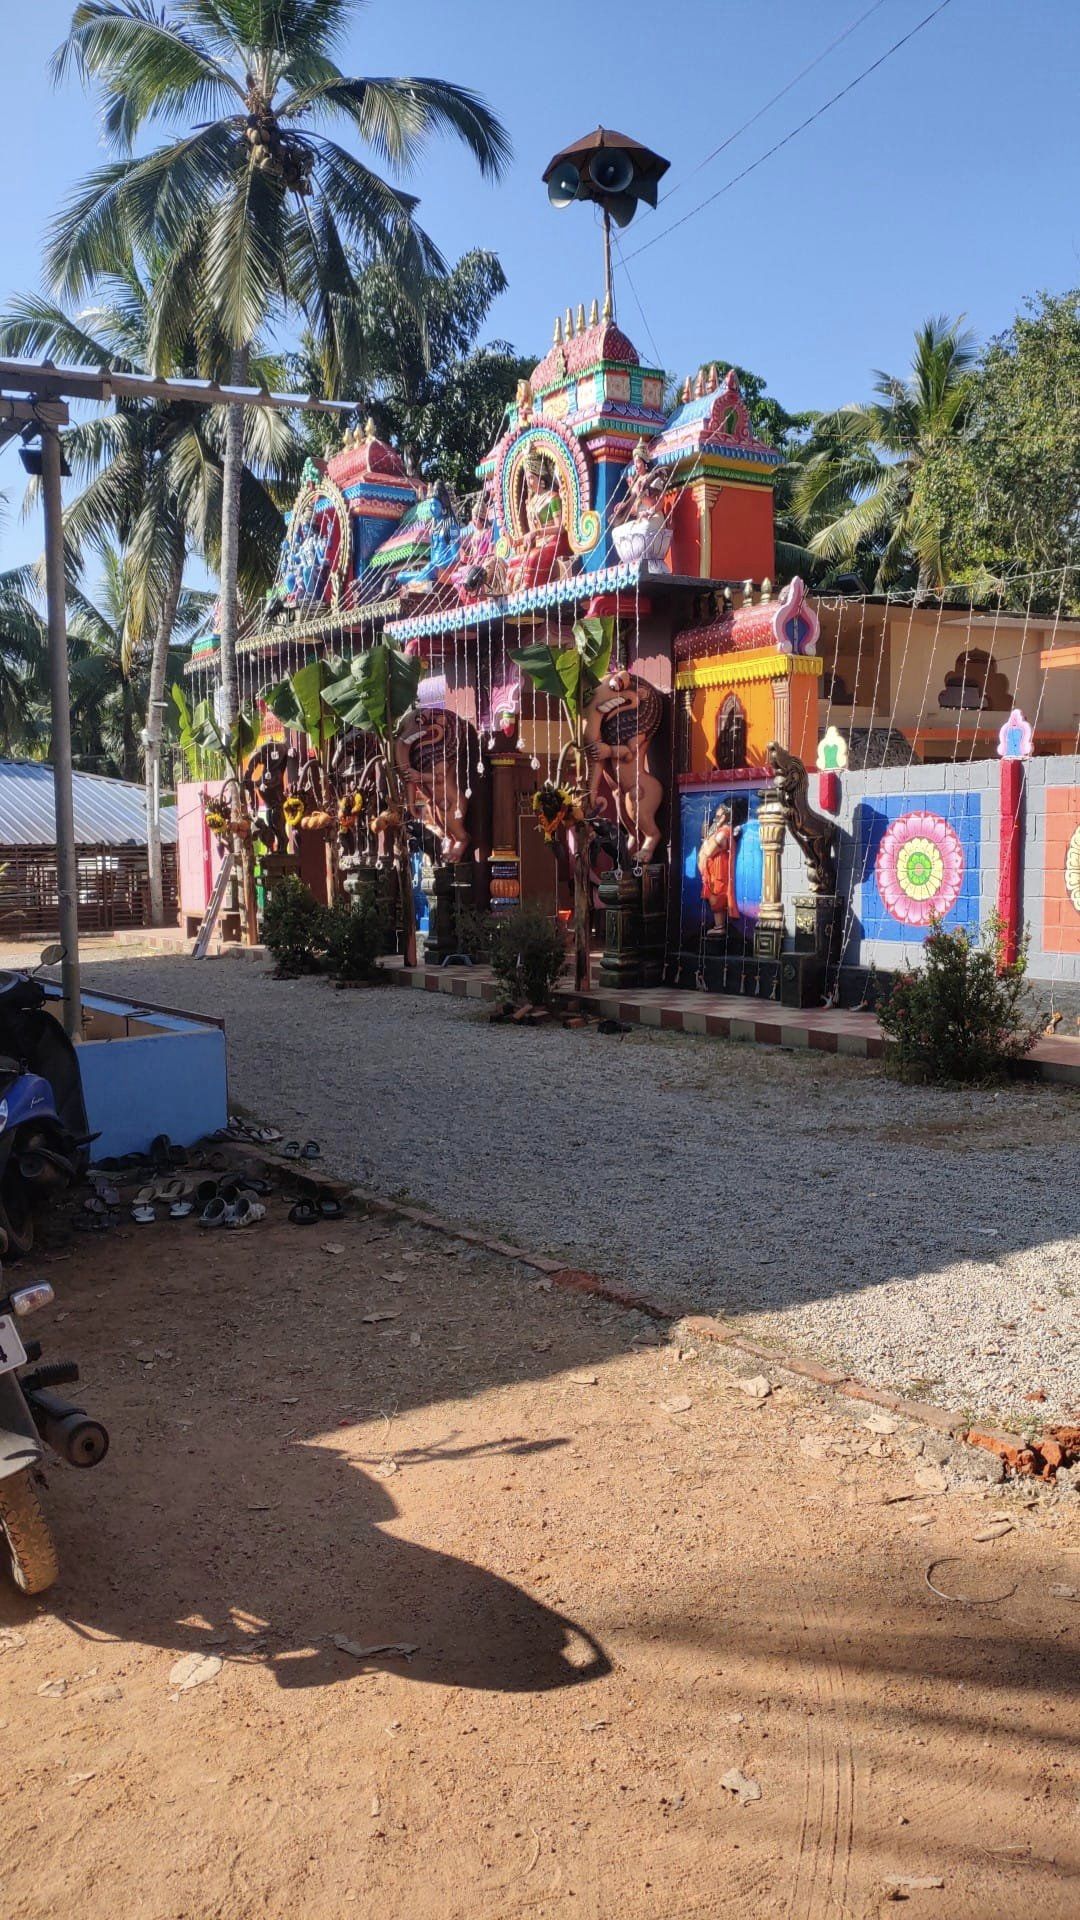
pixel 967 796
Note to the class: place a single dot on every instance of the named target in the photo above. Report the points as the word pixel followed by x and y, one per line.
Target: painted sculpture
pixel 810 831
pixel 434 750
pixel 443 539
pixel 622 718
pixel 639 530
pixel 716 867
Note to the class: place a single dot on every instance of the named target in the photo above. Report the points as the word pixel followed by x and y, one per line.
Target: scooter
pixel 30 1418
pixel 43 1127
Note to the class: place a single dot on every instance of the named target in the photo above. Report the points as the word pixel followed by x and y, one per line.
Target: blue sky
pixel 949 181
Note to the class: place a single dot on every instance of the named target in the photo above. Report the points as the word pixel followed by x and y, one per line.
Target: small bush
pixel 960 1016
pixel 528 951
pixel 354 935
pixel 473 933
pixel 293 928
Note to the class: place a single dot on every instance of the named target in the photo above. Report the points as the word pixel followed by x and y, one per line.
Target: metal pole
pixel 60 696
pixel 609 289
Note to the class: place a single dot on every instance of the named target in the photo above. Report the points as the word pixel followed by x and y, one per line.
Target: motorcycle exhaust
pixel 70 1432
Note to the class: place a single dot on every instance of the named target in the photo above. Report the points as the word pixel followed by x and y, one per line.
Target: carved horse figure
pixel 622 718
pixel 433 751
pixel 810 831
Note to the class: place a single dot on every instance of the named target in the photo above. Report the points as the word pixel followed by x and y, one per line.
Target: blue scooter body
pixel 27 1098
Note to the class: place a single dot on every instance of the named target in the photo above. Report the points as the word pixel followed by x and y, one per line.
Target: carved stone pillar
pixel 769 933
pixel 781 692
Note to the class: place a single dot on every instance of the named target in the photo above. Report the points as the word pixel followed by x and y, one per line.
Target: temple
pixel 605 498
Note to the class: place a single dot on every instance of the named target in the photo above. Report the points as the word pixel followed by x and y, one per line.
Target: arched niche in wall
pixel 975 683
pixel 730 751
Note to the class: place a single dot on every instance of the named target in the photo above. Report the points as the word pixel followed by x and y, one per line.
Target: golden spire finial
pixel 556 339
pixel 369 429
pixel 594 315
pixel 607 305
pixel 569 323
pixel 688 389
pixel 581 316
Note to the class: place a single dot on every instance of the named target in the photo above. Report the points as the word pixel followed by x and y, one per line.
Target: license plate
pixel 12 1351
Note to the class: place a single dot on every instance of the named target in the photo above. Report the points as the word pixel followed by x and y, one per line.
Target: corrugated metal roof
pixel 108 813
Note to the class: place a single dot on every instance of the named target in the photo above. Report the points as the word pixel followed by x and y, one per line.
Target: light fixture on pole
pixel 612 171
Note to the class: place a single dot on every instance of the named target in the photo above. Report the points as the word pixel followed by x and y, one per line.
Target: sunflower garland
pixel 293 810
pixel 556 807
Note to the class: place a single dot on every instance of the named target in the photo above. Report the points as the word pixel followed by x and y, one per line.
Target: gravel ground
pixel 924 1239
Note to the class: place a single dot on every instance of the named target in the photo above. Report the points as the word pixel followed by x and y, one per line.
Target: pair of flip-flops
pixel 238 1129
pixel 307 1213
pixel 97 1214
pixel 310 1150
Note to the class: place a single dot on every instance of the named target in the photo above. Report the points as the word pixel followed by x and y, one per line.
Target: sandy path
pixel 613 1602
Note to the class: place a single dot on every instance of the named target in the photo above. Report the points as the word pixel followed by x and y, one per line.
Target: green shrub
pixel 473 933
pixel 293 928
pixel 355 934
pixel 961 1015
pixel 528 951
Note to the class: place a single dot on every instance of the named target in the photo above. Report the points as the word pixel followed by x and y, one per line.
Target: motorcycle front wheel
pixel 34 1564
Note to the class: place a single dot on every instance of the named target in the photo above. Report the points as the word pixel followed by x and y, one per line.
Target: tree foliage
pixel 420 372
pixel 1007 491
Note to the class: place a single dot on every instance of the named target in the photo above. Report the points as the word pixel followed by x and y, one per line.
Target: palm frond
pixel 145 65
pixel 398 117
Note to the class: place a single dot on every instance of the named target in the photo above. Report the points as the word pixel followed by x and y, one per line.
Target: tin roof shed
pixel 108 813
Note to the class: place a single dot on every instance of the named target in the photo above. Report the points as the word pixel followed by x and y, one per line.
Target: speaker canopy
pixel 608 168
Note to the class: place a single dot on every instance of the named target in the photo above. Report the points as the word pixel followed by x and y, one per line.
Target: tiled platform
pixel 728 1016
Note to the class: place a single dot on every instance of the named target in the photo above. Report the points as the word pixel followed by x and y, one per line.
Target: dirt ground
pixel 620 1578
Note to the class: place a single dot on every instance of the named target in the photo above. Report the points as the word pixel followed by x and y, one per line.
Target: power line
pixel 795 131
pixel 845 34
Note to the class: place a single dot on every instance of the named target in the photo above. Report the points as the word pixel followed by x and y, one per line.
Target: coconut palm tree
pixel 109 672
pixel 150 473
pixel 258 210
pixel 23 660
pixel 859 482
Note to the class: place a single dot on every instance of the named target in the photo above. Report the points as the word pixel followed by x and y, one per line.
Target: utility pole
pixel 51 415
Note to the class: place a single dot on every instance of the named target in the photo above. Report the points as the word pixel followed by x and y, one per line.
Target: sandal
pixel 143 1213
pixel 180 1209
pixel 218 1213
pixel 331 1208
pixel 304 1214
pixel 246 1212
pixel 291 1149
pixel 311 1150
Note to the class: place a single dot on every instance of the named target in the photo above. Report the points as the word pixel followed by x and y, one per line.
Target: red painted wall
pixel 742 534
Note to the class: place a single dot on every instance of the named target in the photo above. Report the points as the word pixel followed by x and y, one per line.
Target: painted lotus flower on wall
pixel 919 868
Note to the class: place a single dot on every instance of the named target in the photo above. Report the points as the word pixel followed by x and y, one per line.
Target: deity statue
pixel 444 540
pixel 545 545
pixel 716 866
pixel 475 573
pixel 639 531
